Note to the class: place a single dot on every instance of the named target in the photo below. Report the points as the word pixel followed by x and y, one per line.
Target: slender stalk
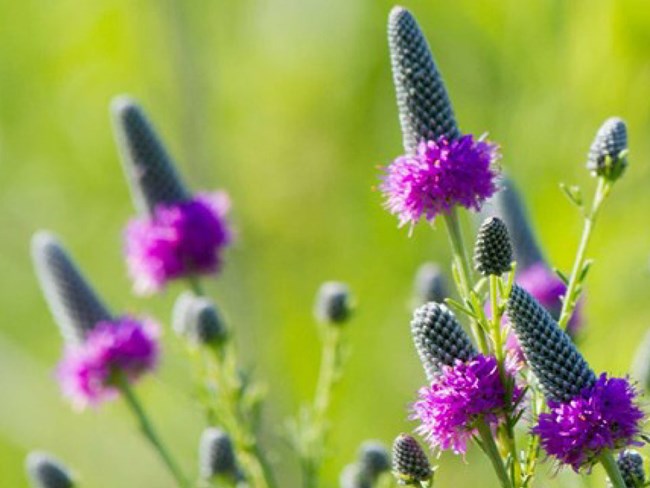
pixel 490 448
pixel 570 300
pixel 150 433
pixel 312 454
pixel 461 263
pixel 614 474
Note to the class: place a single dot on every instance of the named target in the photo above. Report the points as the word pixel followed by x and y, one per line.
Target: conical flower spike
pixel 493 252
pixel 217 455
pixel 508 206
pixel 439 338
pixel 410 463
pixel 430 285
pixel 74 304
pixel 374 459
pixel 561 370
pixel 630 464
pixel 44 471
pixel 149 169
pixel 425 111
pixel 608 152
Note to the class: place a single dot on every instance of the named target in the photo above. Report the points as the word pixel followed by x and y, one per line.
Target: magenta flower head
pixel 100 350
pixel 603 416
pixel 441 167
pixel 114 351
pixel 460 396
pixel 176 234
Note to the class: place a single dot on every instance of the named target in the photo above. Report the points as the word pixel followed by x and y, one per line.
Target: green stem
pixel 150 433
pixel 464 271
pixel 195 285
pixel 570 300
pixel 614 474
pixel 312 455
pixel 490 448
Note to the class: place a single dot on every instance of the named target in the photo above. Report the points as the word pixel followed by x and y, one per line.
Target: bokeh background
pixel 288 105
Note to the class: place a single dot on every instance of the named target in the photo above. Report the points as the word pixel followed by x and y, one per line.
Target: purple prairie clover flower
pixel 460 396
pixel 177 240
pixel 124 348
pixel 603 416
pixel 441 174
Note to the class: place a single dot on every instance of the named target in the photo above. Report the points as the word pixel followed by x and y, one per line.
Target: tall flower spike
pixel 354 476
pixel 152 177
pixel 74 304
pixel 509 207
pixel 217 455
pixel 198 320
pixel 430 285
pixel 630 464
pixel 410 463
pixel 561 370
pixel 45 471
pixel 492 251
pixel 439 338
pixel 607 155
pixel 425 111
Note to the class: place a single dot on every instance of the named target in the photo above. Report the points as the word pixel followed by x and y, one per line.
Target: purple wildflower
pixel 178 240
pixel 458 397
pixel 603 416
pixel 88 372
pixel 441 174
pixel 548 290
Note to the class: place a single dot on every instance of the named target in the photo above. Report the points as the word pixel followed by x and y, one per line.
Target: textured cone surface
pixel 425 111
pixel 550 352
pixel 198 320
pixel 410 463
pixel 149 169
pixel 508 206
pixel 216 454
pixel 430 285
pixel 439 338
pixel 74 304
pixel 374 459
pixel 492 252
pixel 44 471
pixel 610 140
pixel 630 464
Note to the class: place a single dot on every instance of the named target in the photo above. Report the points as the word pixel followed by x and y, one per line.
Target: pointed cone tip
pixel 123 104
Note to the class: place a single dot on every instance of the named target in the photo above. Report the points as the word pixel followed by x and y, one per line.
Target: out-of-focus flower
pixel 430 284
pixel 45 471
pixel 333 303
pixel 217 455
pixel 114 351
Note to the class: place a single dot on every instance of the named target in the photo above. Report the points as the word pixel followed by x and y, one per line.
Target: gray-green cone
pixel 607 154
pixel 425 111
pixel 149 169
pixel 550 352
pixel 217 455
pixel 333 303
pixel 430 285
pixel 439 339
pixel 374 459
pixel 45 471
pixel 492 251
pixel 74 304
pixel 198 320
pixel 630 464
pixel 410 463
pixel 508 206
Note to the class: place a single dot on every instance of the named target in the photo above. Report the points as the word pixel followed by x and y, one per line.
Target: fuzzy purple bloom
pixel 88 372
pixel 441 174
pixel 457 398
pixel 548 289
pixel 603 416
pixel 178 240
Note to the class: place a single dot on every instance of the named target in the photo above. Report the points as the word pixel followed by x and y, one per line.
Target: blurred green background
pixel 288 104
